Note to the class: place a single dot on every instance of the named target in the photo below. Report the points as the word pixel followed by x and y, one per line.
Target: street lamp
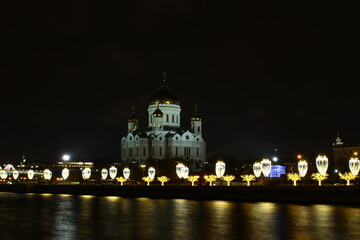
pixel 302 167
pixel 3 174
pixel 66 157
pixel 257 169
pixel 143 166
pixel 126 173
pixel 266 166
pixel 15 174
pixel 86 173
pixel 65 173
pixel 47 174
pixel 179 166
pixel 151 173
pixel 30 174
pixel 113 172
pixel 322 164
pixel 220 169
pixel 104 173
pixel 354 165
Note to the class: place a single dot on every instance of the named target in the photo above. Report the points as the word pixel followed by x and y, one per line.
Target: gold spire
pixel 164 73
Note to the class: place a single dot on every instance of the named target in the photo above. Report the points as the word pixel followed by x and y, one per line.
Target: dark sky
pixel 265 75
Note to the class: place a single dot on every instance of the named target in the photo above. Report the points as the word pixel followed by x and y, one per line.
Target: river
pixel 50 216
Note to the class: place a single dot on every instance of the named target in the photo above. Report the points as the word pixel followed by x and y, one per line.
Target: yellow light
pixel 228 179
pixel 148 180
pixel 248 178
pixel 210 179
pixel 319 177
pixel 294 177
pixel 347 176
pixel 355 153
pixel 163 179
pixel 193 179
pixel 299 156
pixel 121 180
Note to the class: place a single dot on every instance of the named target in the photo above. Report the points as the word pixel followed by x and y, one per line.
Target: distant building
pixel 343 152
pixel 163 138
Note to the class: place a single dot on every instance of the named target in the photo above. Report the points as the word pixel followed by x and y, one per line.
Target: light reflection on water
pixel 44 216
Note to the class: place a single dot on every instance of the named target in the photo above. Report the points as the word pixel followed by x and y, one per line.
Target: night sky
pixel 265 75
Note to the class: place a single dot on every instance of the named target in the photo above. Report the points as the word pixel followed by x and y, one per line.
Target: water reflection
pixel 39 216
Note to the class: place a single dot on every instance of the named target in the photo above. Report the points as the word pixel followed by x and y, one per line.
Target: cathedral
pixel 164 138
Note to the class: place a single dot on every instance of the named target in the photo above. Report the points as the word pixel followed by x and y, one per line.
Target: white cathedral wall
pixel 134 150
pixel 169 110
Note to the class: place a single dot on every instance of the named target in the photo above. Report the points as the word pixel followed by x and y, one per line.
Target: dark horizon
pixel 265 75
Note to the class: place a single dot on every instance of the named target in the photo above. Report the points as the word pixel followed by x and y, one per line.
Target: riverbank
pixel 286 194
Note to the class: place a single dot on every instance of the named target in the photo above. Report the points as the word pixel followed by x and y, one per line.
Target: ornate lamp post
pixel 30 174
pixel 3 174
pixel 86 173
pixel 151 173
pixel 65 173
pixel 104 173
pixel 266 166
pixel 220 169
pixel 113 172
pixel 47 174
pixel 185 172
pixel 302 167
pixel 257 168
pixel 15 174
pixel 354 165
pixel 322 164
pixel 126 173
pixel 179 166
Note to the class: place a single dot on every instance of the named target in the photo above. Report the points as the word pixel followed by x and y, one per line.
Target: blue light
pixel 277 171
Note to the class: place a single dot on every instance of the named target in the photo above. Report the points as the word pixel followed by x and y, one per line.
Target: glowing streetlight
pixel 113 172
pixel 3 174
pixel 220 169
pixel 266 166
pixel 257 168
pixel 302 167
pixel 66 157
pixel 104 173
pixel 143 166
pixel 179 166
pixel 65 173
pixel 30 174
pixel 354 165
pixel 185 172
pixel 151 173
pixel 322 164
pixel 126 173
pixel 182 171
pixel 86 173
pixel 15 174
pixel 47 174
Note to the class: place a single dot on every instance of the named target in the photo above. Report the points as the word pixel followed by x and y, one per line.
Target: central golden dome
pixel 164 95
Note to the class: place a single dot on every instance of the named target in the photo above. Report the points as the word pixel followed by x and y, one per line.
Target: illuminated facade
pixel 164 138
pixel 343 152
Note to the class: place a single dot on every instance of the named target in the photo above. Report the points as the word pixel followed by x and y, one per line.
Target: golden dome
pixel 164 95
